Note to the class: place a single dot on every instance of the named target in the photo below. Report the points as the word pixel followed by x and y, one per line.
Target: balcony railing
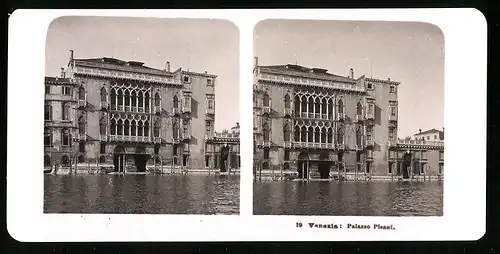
pixel 157 139
pixel 186 135
pixel 119 107
pixel 287 111
pixel 359 118
pixel 58 149
pixel 340 116
pixel 82 103
pixel 81 137
pixel 359 147
pixel 370 116
pixel 157 109
pixel 392 142
pixel 370 142
pixel 210 111
pixel 175 111
pixel 104 104
pixel 369 156
pixel 266 109
pixel 393 118
pixel 287 144
pixel 103 138
pixel 340 146
pixel 58 97
pixel 313 145
pixel 303 114
pixel 121 138
pixel 420 142
pixel 186 109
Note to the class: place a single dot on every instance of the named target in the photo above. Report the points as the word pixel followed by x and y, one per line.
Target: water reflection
pixel 141 194
pixel 349 198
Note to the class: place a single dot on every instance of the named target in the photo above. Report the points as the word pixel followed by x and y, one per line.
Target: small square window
pixel 186 78
pixel 392 89
pixel 209 82
pixel 370 86
pixel 47 89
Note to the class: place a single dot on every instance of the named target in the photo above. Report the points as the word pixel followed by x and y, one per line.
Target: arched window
pixel 140 100
pixel 286 133
pixel 157 100
pixel 66 137
pixel 48 112
pixel 359 136
pixel 127 98
pixel 46 161
pixel 102 159
pixel 126 128
pixel 323 106
pixel 340 106
pixel 47 137
pixel 113 98
pixel 330 109
pixel 120 97
pixel 175 130
pixel 303 135
pixel 330 135
pixel 65 160
pixel 297 134
pixel 140 129
pixel 176 102
pixel 316 134
pixel 113 127
pixel 146 101
pixel 287 101
pixel 133 128
pixel 303 104
pixel 296 103
pixel 119 127
pixel 65 113
pixel 317 108
pixel 146 129
pixel 310 104
pixel 81 125
pixel 157 129
pixel 81 159
pixel 265 129
pixel 310 134
pixel 104 95
pixel 134 99
pixel 265 100
pixel 102 126
pixel 340 136
pixel 81 93
pixel 323 135
pixel 359 109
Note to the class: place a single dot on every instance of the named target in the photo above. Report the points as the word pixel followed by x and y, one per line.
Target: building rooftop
pixel 120 65
pixel 305 72
pixel 441 133
pixel 58 80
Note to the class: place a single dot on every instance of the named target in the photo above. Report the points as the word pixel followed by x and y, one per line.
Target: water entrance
pixel 224 154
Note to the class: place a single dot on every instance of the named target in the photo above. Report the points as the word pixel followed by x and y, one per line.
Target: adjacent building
pixel 223 150
pixel 107 112
pixel 317 124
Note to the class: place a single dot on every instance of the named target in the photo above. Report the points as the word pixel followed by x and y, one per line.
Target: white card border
pixel 464 217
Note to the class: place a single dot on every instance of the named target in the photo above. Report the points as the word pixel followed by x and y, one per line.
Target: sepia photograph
pixel 348 118
pixel 140 116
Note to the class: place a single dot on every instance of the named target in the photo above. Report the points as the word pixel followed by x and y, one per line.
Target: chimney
pixel 255 62
pixel 206 72
pixel 351 73
pixel 443 129
pixel 63 74
pixel 71 54
pixel 419 130
pixel 167 67
pixel 389 79
pixel 237 124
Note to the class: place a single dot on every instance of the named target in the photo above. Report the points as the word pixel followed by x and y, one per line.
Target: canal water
pixel 142 194
pixel 349 198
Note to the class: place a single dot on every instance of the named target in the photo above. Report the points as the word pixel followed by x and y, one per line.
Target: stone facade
pixel 131 117
pixel 318 124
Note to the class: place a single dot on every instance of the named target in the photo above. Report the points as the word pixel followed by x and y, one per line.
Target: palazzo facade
pixel 314 123
pixel 125 115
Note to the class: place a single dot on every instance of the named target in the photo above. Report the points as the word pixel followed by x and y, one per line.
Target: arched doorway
pixel 324 165
pixel 302 165
pixel 406 165
pixel 141 158
pixel 119 158
pixel 224 155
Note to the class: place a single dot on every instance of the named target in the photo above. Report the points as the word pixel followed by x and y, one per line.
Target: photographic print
pixel 348 118
pixel 139 117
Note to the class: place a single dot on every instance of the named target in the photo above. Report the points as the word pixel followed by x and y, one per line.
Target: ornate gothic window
pixel 66 137
pixel 81 93
pixel 104 95
pixel 359 109
pixel 286 132
pixel 175 102
pixel 265 100
pixel 81 125
pixel 287 101
pixel 157 100
pixel 340 106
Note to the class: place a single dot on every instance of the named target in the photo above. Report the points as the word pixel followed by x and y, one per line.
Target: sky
pixel 409 52
pixel 194 44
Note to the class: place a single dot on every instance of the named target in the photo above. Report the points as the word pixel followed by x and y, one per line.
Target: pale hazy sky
pixel 197 44
pixel 411 53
